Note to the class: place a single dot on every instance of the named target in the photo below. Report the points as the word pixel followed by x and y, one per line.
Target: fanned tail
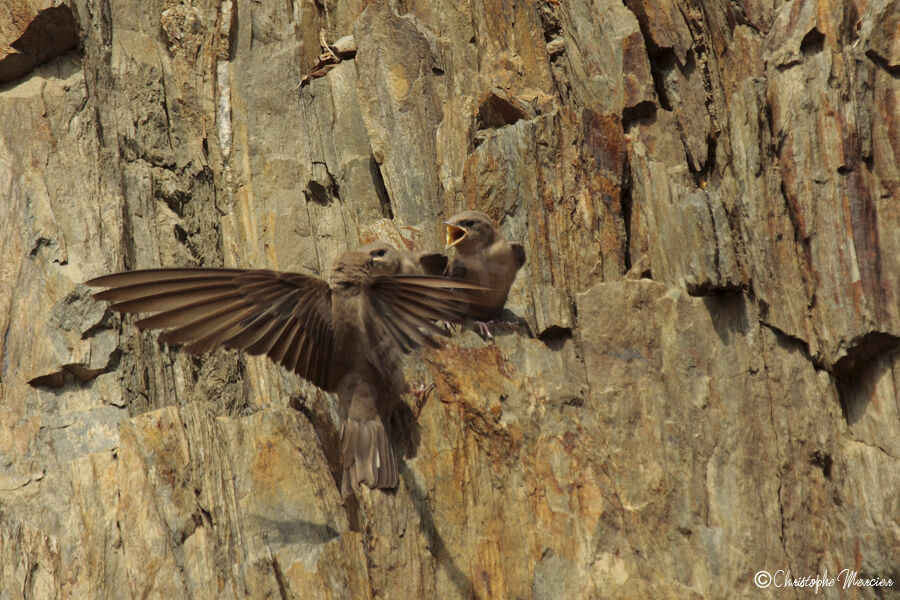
pixel 367 456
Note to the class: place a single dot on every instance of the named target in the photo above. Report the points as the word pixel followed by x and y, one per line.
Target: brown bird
pixel 407 263
pixel 483 257
pixel 345 337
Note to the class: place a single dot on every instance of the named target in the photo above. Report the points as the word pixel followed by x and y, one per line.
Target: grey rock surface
pixel 703 378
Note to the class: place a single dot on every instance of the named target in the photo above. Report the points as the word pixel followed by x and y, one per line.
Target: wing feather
pixel 405 307
pixel 281 347
pixel 286 316
pixel 128 278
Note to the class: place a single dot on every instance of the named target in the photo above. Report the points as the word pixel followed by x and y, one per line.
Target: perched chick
pixel 485 258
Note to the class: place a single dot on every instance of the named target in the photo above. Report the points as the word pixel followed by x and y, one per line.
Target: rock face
pixel 704 381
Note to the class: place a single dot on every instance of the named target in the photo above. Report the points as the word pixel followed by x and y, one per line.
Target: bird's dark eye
pixel 381 252
pixel 468 223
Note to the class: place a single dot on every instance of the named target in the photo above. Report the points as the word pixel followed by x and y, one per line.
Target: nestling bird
pixel 484 257
pixel 345 337
pixel 407 263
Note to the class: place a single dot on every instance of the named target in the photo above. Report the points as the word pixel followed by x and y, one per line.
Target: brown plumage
pixel 345 337
pixel 483 257
pixel 407 263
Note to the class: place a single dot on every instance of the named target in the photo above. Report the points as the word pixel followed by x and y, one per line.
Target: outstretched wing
pixel 402 311
pixel 407 306
pixel 286 316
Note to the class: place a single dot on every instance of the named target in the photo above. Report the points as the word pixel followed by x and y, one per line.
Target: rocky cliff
pixel 703 377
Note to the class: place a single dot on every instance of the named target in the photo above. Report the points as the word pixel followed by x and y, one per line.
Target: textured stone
pixel 700 379
pixel 32 33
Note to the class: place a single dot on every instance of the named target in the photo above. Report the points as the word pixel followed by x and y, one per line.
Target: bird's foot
pixel 421 393
pixel 484 329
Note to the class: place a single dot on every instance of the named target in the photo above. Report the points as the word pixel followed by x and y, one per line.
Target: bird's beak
pixel 455 235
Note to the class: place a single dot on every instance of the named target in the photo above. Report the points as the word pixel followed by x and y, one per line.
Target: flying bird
pixel 407 263
pixel 346 337
pixel 483 257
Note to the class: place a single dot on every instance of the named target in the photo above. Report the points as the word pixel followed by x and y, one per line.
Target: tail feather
pixel 367 456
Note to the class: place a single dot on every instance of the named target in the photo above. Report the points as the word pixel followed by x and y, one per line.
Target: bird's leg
pixel 484 330
pixel 484 327
pixel 421 392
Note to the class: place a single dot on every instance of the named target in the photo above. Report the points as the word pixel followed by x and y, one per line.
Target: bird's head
pixel 469 231
pixel 350 270
pixel 385 258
